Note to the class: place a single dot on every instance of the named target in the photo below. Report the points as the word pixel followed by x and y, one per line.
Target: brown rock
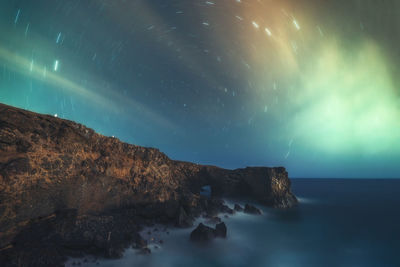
pixel 49 164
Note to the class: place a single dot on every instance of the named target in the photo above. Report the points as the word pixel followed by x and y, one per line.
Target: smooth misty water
pixel 338 223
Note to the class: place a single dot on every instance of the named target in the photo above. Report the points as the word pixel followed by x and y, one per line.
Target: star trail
pixel 311 85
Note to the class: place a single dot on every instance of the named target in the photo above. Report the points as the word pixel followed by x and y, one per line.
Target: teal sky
pixel 312 85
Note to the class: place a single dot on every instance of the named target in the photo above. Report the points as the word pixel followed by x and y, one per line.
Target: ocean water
pixel 339 222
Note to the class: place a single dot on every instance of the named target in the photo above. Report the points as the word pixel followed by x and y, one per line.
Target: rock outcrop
pixel 250 209
pixel 220 230
pixel 62 173
pixel 237 207
pixel 204 233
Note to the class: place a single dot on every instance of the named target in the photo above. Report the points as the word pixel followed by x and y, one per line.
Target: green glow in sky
pixel 312 85
pixel 347 102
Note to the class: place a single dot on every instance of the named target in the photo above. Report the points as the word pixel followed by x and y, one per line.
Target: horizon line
pixel 366 178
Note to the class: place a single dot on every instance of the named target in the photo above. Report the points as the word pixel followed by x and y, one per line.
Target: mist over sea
pixel 339 222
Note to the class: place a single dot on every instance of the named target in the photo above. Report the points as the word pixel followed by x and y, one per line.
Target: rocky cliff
pixel 49 165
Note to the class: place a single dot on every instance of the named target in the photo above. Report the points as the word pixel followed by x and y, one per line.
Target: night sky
pixel 312 85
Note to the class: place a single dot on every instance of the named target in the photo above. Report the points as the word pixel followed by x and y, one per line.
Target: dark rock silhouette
pixel 145 251
pixel 237 207
pixel 204 233
pixel 77 190
pixel 220 230
pixel 228 210
pixel 251 209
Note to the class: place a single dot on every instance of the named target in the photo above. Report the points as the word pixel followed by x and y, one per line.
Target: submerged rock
pixel 237 207
pixel 202 233
pixel 145 251
pixel 251 210
pixel 220 230
pixel 226 209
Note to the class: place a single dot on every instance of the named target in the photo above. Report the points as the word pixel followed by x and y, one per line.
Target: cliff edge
pixel 49 165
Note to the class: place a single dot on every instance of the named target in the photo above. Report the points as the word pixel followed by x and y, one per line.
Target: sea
pixel 339 222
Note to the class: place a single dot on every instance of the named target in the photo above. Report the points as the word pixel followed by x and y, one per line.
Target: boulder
pixel 226 209
pixel 237 207
pixel 220 230
pixel 250 209
pixel 202 233
pixel 144 251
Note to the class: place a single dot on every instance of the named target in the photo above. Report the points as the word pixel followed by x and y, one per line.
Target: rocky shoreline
pixel 68 191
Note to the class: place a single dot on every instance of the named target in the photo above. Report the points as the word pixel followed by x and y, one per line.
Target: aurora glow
pixel 311 85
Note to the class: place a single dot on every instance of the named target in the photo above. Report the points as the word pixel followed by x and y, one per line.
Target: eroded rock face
pixel 49 164
pixel 271 186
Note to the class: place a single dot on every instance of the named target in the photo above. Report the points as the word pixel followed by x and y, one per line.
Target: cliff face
pixel 49 164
